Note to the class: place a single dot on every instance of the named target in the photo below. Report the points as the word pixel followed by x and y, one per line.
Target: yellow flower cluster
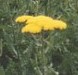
pixel 38 23
pixel 23 18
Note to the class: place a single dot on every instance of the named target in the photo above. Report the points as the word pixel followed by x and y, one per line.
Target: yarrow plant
pixel 40 24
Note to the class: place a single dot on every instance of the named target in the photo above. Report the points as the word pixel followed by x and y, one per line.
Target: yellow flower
pixel 38 23
pixel 43 21
pixel 58 24
pixel 40 20
pixel 23 18
pixel 43 18
pixel 32 28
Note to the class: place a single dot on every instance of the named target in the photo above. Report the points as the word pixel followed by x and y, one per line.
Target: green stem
pixel 43 55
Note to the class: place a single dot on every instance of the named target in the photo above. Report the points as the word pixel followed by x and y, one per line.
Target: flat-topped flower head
pixel 23 18
pixel 58 24
pixel 31 28
pixel 43 21
pixel 39 19
pixel 38 23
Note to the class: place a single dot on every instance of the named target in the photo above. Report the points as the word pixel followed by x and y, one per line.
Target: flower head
pixel 43 21
pixel 23 18
pixel 38 23
pixel 58 24
pixel 31 28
